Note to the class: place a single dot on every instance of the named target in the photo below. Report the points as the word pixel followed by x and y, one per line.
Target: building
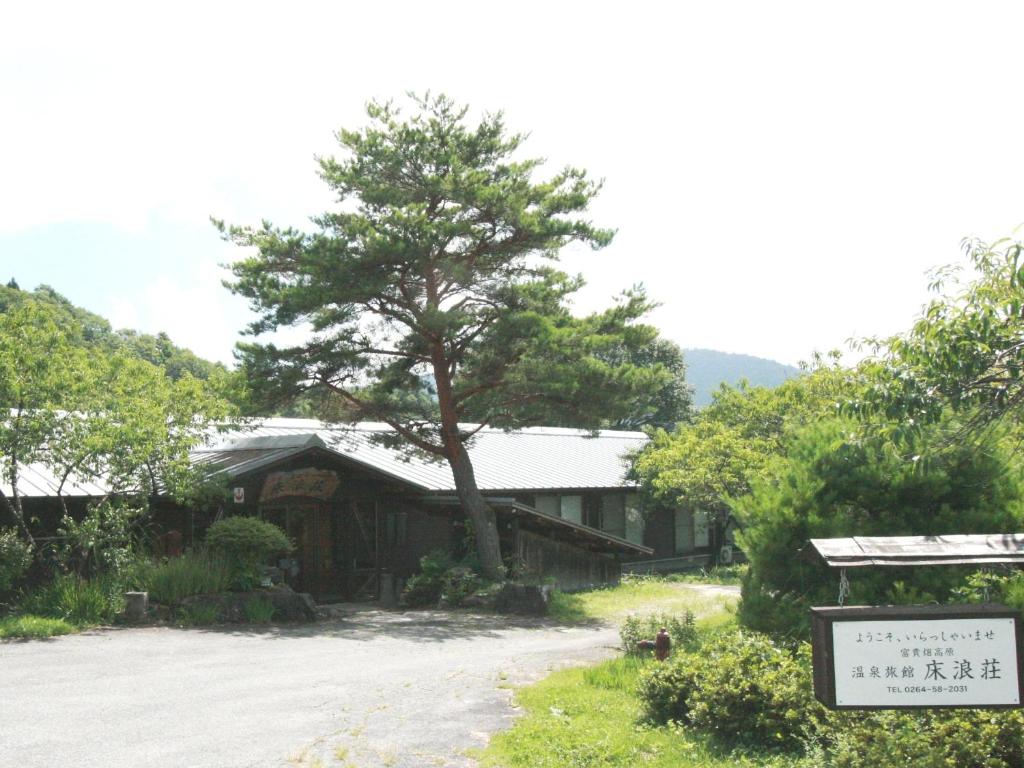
pixel 362 514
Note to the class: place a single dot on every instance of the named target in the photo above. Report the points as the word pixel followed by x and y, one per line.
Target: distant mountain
pixel 706 369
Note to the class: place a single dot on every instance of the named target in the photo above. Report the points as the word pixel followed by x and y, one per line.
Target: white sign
pixel 926 663
pixel 239 495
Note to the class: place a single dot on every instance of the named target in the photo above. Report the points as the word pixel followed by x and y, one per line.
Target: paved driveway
pixel 369 689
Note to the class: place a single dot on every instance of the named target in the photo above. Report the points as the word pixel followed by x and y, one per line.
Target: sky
pixel 782 176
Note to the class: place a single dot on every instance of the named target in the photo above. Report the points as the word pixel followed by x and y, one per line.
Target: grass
pixel 639 595
pixel 259 610
pixel 588 718
pixel 194 573
pixel 36 627
pixel 197 615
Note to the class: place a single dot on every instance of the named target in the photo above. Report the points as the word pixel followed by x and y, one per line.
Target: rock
pixel 289 606
pixel 529 600
pixel 136 604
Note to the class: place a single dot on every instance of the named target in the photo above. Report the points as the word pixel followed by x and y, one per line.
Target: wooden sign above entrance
pixel 917 656
pixel 308 483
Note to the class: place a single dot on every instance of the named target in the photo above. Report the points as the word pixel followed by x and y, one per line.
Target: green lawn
pixel 590 717
pixel 34 627
pixel 642 595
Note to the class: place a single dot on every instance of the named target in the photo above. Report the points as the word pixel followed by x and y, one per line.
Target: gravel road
pixel 367 689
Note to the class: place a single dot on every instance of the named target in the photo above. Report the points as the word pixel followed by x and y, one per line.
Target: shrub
pixel 194 573
pixel 259 610
pixel 104 541
pixel 246 543
pixel 15 558
pixel 665 689
pixel 961 738
pixel 459 583
pixel 80 601
pixel 681 629
pixel 741 688
pixel 836 481
pixel 424 588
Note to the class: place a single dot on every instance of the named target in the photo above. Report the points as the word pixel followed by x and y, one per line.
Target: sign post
pixel 905 657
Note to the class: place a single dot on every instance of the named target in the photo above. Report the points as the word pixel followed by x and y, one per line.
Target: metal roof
pixel 860 551
pixel 603 538
pixel 37 480
pixel 538 458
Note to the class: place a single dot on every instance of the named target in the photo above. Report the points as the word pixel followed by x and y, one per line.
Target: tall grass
pixel 77 600
pixel 194 573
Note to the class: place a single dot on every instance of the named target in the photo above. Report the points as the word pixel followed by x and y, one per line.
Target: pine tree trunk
pixel 479 512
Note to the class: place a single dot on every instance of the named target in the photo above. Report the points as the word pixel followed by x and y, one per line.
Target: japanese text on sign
pixel 913 663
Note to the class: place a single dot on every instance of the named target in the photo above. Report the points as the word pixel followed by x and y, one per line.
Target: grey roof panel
pixel 540 458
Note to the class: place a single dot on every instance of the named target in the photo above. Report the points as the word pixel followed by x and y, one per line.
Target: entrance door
pixel 357 549
pixel 309 526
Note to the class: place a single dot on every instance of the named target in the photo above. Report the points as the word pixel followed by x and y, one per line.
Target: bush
pixel 424 589
pixel 458 583
pixel 835 481
pixel 77 600
pixel 194 573
pixel 104 541
pixel 15 558
pixel 961 738
pixel 246 543
pixel 665 689
pixel 681 629
pixel 259 610
pixel 741 688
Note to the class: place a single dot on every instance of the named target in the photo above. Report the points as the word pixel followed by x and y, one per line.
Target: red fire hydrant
pixel 662 645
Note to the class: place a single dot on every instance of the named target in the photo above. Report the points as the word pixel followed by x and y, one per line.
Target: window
pixel 548 505
pixel 684 531
pixel 613 515
pixel 397 523
pixel 634 519
pixel 572 509
pixel 567 507
pixel 701 529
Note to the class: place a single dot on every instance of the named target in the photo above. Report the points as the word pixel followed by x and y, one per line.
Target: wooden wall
pixel 540 557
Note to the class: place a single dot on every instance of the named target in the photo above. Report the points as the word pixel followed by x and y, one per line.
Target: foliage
pixel 964 352
pixel 431 278
pixel 106 540
pixel 733 441
pixel 198 614
pixel 731 575
pixel 194 573
pixel 458 583
pixel 741 688
pixel 989 586
pixel 681 628
pixel 246 543
pixel 84 414
pixel 15 558
pixel 837 481
pixel 259 610
pixel 424 588
pixel 963 738
pixel 587 718
pixel 35 627
pixel 76 600
pixel 93 332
